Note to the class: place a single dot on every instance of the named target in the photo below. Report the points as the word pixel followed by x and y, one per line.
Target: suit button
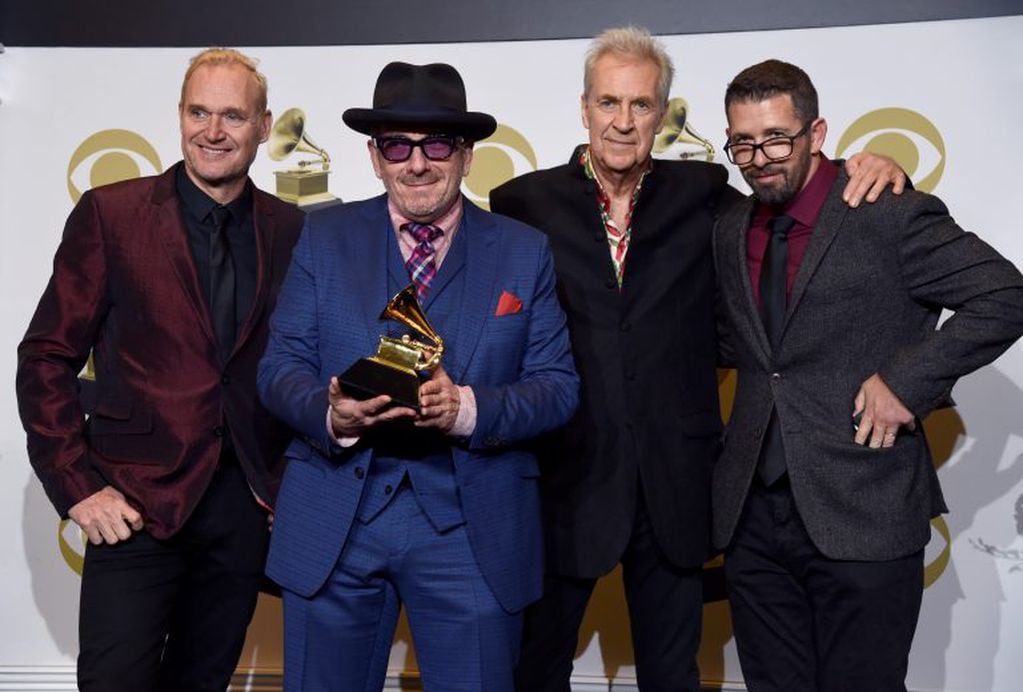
pixel 225 380
pixel 218 431
pixel 388 490
pixel 757 432
pixel 359 473
pixel 775 376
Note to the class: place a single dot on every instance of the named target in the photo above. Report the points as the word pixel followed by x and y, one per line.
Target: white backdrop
pixel 963 77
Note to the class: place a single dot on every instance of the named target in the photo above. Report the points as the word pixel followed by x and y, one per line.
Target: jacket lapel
pixel 171 229
pixel 265 227
pixel 824 232
pixel 371 269
pixel 749 304
pixel 481 281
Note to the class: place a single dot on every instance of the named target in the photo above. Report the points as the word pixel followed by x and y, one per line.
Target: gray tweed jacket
pixel 866 299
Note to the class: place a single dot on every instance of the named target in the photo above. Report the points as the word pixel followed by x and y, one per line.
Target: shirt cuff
pixel 346 442
pixel 465 419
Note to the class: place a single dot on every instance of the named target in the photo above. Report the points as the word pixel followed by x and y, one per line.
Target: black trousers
pixel 804 622
pixel 171 615
pixel 665 610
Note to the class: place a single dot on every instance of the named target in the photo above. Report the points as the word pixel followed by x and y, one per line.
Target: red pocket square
pixel 509 304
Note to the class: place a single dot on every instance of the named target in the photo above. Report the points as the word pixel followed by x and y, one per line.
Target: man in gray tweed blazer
pixel 824 493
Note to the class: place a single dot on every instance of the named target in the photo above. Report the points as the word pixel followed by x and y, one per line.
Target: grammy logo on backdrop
pixel 396 368
pixel 305 185
pixel 678 139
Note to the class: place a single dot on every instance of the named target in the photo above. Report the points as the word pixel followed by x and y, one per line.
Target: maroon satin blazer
pixel 124 284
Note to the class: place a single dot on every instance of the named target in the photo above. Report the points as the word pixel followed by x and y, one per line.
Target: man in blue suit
pixel 381 505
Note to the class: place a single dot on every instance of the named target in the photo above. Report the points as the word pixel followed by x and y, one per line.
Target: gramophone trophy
pixel 305 185
pixel 396 368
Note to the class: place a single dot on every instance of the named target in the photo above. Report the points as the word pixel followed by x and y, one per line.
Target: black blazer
pixel 649 411
pixel 866 299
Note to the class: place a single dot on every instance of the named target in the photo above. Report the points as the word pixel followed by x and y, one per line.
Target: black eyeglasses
pixel 775 148
pixel 435 147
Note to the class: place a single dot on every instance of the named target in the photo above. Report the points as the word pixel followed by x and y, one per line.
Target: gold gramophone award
pixel 305 185
pixel 396 368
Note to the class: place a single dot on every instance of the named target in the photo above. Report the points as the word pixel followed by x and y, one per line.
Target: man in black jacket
pixel 628 480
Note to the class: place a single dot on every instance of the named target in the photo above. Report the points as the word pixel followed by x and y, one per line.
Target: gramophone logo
pixel 678 139
pixel 306 183
pixel 496 160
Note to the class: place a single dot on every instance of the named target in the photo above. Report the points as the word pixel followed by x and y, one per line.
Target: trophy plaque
pixel 398 365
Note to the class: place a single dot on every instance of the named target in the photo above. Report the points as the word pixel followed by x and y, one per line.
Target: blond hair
pixel 228 56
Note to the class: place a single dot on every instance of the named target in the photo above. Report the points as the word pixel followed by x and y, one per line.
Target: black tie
pixel 222 300
pixel 773 302
pixel 774 277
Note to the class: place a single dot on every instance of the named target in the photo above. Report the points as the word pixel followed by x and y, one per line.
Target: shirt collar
pixel 586 162
pixel 199 204
pixel 447 222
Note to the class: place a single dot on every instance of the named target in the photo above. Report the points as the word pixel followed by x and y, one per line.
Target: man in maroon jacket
pixel 169 281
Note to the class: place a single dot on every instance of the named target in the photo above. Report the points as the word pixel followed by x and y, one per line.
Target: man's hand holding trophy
pixel 390 385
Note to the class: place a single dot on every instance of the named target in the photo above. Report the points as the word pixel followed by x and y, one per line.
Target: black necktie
pixel 222 299
pixel 774 277
pixel 773 302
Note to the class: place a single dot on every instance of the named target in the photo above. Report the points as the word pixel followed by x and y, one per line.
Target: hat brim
pixel 471 125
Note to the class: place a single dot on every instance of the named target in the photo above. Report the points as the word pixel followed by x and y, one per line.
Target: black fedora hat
pixel 431 95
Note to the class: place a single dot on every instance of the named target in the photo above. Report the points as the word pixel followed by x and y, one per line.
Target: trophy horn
pixel 404 307
pixel 288 135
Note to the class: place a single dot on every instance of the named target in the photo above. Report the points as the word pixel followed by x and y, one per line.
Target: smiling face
pixel 421 189
pixel 623 114
pixel 221 128
pixel 775 183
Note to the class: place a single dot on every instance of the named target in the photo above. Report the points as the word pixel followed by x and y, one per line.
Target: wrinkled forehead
pixel 223 83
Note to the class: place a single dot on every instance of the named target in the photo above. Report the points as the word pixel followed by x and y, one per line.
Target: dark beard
pixel 771 196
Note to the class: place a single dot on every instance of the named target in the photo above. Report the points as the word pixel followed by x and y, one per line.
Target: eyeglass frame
pixel 767 142
pixel 456 142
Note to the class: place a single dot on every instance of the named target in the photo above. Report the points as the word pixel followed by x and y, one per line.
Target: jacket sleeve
pixel 947 267
pixel 288 378
pixel 55 348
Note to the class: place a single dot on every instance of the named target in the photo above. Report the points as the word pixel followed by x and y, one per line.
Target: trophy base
pixel 368 378
pixel 305 188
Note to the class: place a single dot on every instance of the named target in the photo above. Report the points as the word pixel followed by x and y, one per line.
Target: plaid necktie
pixel 420 265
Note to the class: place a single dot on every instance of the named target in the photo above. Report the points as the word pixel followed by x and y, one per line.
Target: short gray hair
pixel 633 42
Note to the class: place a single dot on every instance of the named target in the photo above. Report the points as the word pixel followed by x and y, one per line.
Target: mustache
pixel 769 169
pixel 424 177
